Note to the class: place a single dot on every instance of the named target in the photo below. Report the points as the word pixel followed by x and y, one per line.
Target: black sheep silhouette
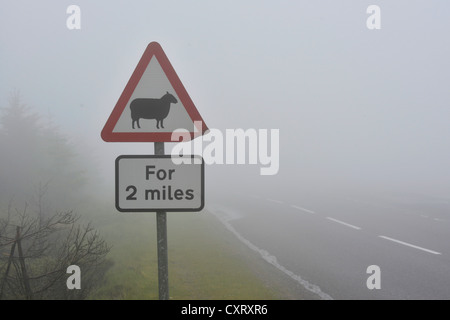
pixel 149 108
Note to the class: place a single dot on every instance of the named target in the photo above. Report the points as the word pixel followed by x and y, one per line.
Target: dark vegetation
pixel 42 178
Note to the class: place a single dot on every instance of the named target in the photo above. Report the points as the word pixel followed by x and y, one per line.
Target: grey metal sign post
pixel 160 183
pixel 153 183
pixel 161 236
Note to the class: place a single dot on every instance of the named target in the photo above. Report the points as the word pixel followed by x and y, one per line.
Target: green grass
pixel 205 260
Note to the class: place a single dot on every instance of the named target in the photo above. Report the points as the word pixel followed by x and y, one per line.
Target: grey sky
pixel 354 106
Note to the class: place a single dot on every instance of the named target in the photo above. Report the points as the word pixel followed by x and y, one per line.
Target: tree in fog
pixel 36 250
pixel 34 154
pixel 39 170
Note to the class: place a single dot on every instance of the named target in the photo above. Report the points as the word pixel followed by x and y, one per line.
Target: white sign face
pixel 155 182
pixel 149 95
pixel 153 104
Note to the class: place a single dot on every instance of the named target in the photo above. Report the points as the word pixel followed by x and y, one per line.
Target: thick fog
pixel 348 111
pixel 354 107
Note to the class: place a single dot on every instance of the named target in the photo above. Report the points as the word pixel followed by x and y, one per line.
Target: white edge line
pixel 302 209
pixel 410 245
pixel 273 260
pixel 344 223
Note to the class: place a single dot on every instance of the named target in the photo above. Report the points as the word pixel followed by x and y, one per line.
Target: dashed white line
pixel 410 245
pixel 302 209
pixel 344 223
pixel 276 201
pixel 358 228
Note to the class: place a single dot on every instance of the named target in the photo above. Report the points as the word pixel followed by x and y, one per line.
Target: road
pixel 326 242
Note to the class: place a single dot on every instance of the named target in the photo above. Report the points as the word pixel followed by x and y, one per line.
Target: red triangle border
pixel 153 49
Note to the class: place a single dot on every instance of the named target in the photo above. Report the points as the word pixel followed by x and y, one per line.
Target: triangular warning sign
pixel 153 104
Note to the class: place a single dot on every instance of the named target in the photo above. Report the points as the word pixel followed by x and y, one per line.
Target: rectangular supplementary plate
pixel 159 183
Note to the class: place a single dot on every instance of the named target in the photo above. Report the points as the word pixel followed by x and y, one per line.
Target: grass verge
pixel 205 260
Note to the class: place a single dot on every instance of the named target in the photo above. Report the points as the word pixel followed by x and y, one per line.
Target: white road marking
pixel 271 258
pixel 276 201
pixel 344 223
pixel 410 245
pixel 302 209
